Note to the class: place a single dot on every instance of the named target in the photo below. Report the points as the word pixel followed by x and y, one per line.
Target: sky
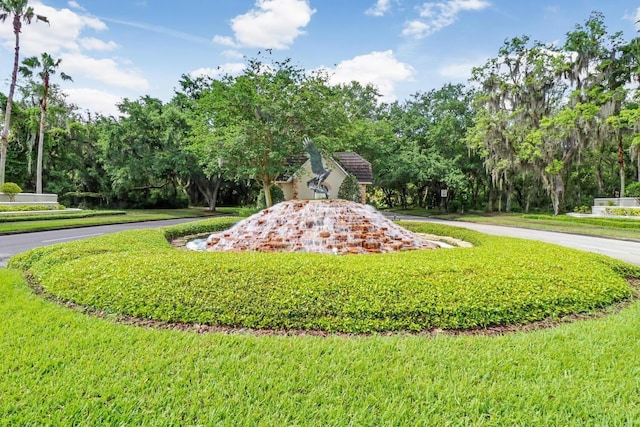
pixel 116 49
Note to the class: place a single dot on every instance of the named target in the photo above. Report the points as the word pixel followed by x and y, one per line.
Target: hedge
pixel 500 281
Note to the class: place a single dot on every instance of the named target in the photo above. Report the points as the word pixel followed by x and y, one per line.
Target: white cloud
pixel 94 100
pixel 60 34
pixel 634 18
pixel 104 70
pixel 75 5
pixel 224 40
pixel 233 54
pixel 65 38
pixel 91 43
pixel 270 24
pixel 380 8
pixel 161 30
pixel 458 72
pixel 436 16
pixel 380 69
pixel 415 28
pixel 231 68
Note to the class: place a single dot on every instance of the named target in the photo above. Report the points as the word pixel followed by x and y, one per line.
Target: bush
pixel 632 212
pixel 27 208
pixel 633 190
pixel 501 281
pixel 350 189
pixel 10 189
pixel 582 209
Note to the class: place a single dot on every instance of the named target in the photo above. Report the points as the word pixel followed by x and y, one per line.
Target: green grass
pixel 620 228
pixel 27 208
pixel 59 367
pixel 57 220
pixel 499 282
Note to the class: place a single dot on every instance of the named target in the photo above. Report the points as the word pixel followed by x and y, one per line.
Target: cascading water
pixel 321 226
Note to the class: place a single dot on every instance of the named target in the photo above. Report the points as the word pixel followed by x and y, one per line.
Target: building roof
pixel 355 165
pixel 351 162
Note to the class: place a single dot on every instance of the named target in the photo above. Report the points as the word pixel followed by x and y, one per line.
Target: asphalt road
pixel 624 250
pixel 621 249
pixel 15 243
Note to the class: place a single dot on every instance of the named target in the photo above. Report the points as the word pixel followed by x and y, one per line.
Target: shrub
pixel 26 208
pixel 582 209
pixel 623 211
pixel 501 281
pixel 633 189
pixel 350 189
pixel 10 189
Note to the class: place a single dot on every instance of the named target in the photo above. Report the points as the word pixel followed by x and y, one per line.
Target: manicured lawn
pixel 499 282
pixel 60 367
pixel 57 220
pixel 621 228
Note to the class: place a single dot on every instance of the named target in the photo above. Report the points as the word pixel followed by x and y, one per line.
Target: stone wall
pixel 600 205
pixel 30 199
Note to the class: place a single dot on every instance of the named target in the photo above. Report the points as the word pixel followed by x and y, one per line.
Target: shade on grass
pixel 60 367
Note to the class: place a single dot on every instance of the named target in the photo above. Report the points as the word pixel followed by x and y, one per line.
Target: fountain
pixel 320 226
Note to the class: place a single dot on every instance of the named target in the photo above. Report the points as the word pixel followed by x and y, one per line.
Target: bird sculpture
pixel 316 183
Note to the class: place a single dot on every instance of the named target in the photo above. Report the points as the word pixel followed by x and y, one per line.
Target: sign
pixel 443 192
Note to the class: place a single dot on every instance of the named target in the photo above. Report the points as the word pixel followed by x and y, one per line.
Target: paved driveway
pixel 620 249
pixel 624 250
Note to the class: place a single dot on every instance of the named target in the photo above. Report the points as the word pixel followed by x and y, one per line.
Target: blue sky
pixel 129 48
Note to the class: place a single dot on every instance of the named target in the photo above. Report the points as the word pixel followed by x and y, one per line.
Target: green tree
pixel 18 11
pixel 518 89
pixel 598 68
pixel 208 178
pixel 253 123
pixel 438 121
pixel 45 67
pixel 142 153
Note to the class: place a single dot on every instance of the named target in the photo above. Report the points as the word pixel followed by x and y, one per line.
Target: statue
pixel 316 183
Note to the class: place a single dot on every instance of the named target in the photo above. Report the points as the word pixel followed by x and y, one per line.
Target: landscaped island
pixel 499 282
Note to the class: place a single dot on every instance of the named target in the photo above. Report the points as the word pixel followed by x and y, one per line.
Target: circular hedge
pixel 500 281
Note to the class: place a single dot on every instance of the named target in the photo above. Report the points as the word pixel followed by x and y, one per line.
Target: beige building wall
pixel 297 188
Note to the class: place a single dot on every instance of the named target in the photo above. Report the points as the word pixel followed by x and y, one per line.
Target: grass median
pixel 614 227
pixel 11 223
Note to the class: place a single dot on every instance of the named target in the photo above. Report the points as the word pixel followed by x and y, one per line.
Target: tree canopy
pixel 539 126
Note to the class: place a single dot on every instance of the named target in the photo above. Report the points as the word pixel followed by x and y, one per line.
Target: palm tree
pixel 20 11
pixel 45 66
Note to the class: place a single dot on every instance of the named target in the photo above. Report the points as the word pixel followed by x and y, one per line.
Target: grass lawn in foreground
pixel 60 367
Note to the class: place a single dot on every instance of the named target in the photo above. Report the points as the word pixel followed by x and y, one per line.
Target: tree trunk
pixel 388 197
pixel 509 196
pixel 213 200
pixel 621 164
pixel 403 197
pixel 599 177
pixel 209 189
pixel 17 25
pixel 558 191
pixel 43 116
pixel 266 188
